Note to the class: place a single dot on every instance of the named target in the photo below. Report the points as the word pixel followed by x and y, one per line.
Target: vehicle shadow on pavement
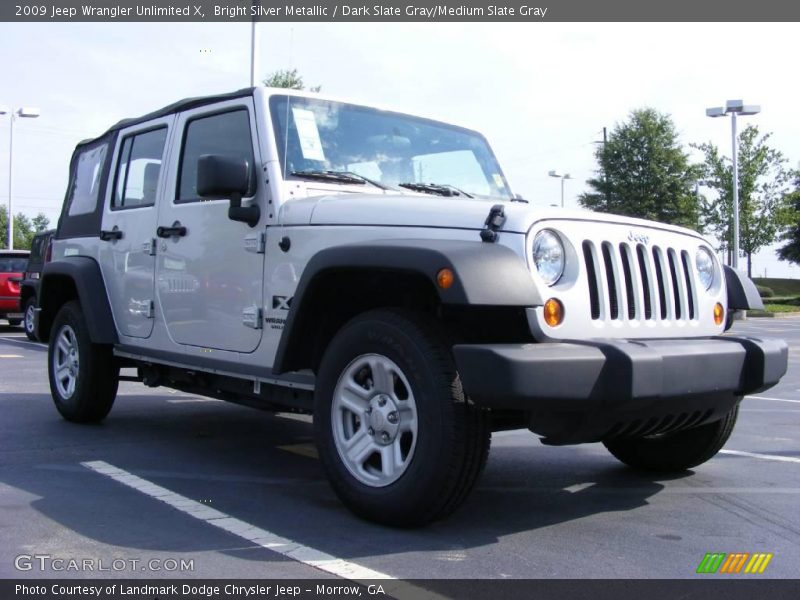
pixel 236 460
pixel 6 328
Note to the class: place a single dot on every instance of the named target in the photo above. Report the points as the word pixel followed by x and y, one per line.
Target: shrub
pixel 764 291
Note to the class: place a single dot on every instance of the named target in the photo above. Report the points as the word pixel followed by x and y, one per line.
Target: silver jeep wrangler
pixel 374 269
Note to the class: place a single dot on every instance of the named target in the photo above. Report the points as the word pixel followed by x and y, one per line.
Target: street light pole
pixel 27 113
pixel 558 175
pixel 734 108
pixel 10 242
pixel 256 4
pixel 735 177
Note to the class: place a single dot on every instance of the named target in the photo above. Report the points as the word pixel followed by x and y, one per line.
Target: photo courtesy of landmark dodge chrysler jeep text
pixel 289 252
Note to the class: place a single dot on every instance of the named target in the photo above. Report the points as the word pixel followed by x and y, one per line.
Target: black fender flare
pixel 87 279
pixel 485 275
pixel 28 289
pixel 742 292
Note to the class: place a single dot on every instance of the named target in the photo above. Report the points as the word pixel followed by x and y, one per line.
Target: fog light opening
pixel 719 314
pixel 553 312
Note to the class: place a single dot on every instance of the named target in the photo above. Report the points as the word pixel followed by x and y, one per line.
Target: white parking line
pixel 579 487
pixel 295 417
pixel 773 399
pixel 762 456
pixel 19 342
pixel 266 539
pixel 189 400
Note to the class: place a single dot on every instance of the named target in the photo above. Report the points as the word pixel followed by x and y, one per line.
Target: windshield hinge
pixel 494 222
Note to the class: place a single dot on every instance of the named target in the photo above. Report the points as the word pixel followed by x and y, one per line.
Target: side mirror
pixel 224 176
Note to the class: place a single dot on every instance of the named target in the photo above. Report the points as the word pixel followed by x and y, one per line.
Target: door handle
pixel 113 234
pixel 176 230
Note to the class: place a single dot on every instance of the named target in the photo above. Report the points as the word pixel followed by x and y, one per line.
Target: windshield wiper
pixel 340 176
pixel 442 189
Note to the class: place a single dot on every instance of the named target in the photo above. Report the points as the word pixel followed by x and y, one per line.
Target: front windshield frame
pixel 281 105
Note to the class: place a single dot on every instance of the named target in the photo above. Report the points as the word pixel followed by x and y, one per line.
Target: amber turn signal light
pixel 719 313
pixel 445 278
pixel 553 312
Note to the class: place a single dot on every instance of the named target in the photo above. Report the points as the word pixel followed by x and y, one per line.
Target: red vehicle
pixel 12 267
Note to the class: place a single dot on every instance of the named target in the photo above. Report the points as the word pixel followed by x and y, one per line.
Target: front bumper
pixel 585 390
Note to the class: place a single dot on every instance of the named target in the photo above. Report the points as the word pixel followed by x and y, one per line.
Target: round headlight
pixel 705 267
pixel 548 256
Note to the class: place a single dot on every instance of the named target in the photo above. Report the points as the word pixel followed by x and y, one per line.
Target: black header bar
pixel 533 11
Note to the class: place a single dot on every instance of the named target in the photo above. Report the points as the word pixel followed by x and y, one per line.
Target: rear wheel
pixel 677 451
pixel 27 323
pixel 400 442
pixel 83 376
pixel 14 322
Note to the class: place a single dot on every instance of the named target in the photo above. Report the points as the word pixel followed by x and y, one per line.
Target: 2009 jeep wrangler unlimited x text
pixel 372 268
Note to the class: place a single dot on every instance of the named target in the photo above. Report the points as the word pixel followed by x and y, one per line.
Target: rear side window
pixel 138 168
pixel 85 188
pixel 37 247
pixel 227 134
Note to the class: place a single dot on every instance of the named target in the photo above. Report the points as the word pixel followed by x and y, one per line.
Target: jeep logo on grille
pixel 638 237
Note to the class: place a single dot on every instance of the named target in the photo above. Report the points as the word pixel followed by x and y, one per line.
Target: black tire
pixel 27 321
pixel 678 451
pixel 96 376
pixel 14 322
pixel 452 435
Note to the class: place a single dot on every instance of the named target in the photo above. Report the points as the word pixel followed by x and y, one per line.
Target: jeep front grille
pixel 636 283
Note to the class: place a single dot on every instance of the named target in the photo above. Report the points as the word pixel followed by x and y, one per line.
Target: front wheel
pixel 677 451
pixel 400 442
pixel 83 375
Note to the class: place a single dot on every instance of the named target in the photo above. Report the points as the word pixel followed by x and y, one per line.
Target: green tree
pixel 40 222
pixel 290 79
pixel 764 205
pixel 24 229
pixel 791 250
pixel 644 172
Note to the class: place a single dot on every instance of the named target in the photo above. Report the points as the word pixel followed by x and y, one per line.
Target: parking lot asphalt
pixel 85 492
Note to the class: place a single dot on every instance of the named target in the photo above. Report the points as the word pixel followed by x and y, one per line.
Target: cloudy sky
pixel 541 92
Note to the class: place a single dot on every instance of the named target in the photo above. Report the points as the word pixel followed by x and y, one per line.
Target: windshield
pixel 386 148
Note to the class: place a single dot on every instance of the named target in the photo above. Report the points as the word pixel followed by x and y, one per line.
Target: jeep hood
pixel 413 210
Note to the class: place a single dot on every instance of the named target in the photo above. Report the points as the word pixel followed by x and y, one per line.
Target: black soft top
pixel 173 108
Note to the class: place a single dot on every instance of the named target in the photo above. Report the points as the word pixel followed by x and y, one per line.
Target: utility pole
pixel 604 165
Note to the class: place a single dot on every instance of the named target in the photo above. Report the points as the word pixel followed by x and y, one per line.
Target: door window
pixel 138 169
pixel 227 134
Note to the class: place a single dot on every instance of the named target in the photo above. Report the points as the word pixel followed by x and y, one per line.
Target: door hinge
pixel 151 310
pixel 153 246
pixel 256 242
pixel 252 317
